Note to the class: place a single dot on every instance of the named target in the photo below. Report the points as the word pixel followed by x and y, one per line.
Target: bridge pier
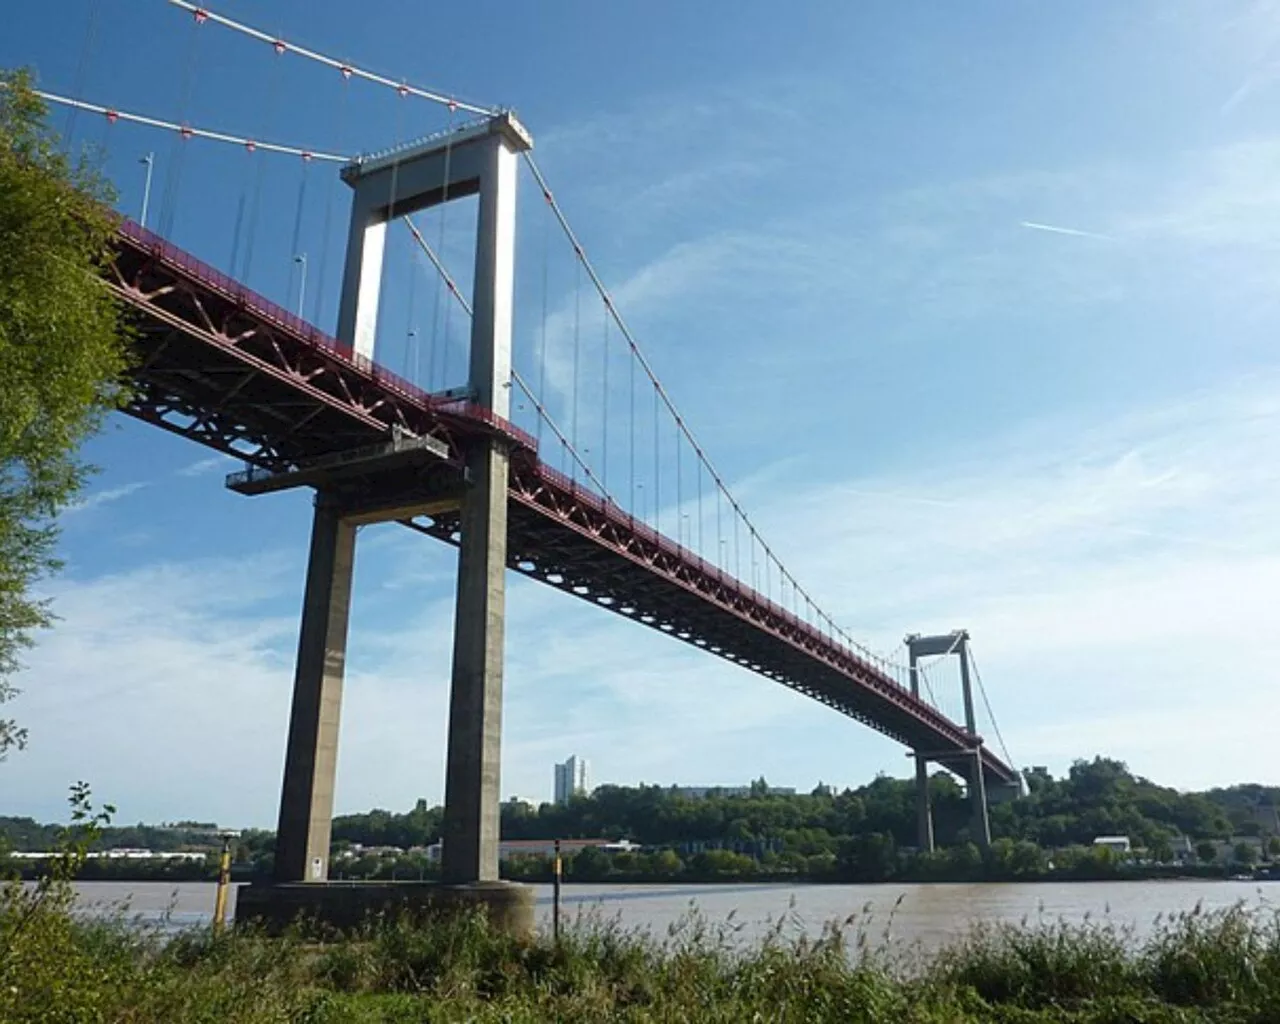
pixel 980 821
pixel 924 815
pixel 311 753
pixel 956 643
pixel 483 160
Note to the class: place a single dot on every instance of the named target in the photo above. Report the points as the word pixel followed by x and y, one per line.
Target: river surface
pixel 921 916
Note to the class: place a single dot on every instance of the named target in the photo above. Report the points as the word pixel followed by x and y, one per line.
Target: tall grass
pixel 1199 966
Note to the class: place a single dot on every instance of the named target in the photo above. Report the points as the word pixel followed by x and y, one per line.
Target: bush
pixel 1201 966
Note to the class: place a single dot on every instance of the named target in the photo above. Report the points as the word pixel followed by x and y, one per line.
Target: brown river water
pixel 921 916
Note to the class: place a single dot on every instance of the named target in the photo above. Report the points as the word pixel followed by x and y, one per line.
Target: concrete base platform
pixel 347 905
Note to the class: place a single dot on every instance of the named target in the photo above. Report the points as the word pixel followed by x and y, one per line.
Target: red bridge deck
pixel 228 368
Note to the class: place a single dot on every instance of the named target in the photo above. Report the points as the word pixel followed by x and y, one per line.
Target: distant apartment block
pixel 571 779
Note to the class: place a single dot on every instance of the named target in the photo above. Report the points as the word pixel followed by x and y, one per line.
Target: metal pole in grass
pixel 555 894
pixel 224 882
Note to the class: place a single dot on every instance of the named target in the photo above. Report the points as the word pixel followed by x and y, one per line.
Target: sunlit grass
pixel 1216 966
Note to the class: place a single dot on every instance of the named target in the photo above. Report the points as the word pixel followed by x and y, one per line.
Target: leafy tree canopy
pixel 62 351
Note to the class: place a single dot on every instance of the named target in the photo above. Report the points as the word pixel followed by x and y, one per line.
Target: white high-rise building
pixel 571 779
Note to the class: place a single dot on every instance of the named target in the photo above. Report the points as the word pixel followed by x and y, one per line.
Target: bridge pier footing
pixel 344 906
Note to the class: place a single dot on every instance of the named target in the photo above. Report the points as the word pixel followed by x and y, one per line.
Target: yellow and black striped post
pixel 224 884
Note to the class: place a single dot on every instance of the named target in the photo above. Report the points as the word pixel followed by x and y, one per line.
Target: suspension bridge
pixel 549 447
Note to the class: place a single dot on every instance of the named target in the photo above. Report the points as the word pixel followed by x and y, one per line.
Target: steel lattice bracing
pixel 224 366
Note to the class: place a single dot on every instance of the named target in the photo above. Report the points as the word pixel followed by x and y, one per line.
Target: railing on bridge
pixel 767 613
pixel 280 317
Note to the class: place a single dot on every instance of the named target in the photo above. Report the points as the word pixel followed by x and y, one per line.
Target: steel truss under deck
pixel 227 368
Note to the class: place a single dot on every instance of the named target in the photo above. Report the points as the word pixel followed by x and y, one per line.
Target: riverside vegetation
pixel 862 834
pixel 55 967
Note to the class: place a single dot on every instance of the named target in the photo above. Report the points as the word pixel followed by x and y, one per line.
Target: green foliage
pixel 41 944
pixel 1244 854
pixel 1222 967
pixel 62 351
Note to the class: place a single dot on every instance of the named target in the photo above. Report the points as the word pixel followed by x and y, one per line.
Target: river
pixel 924 916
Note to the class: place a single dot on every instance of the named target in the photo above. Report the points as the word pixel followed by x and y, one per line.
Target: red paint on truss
pixel 691 572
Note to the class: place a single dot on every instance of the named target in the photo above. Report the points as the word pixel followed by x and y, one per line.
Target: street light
pixel 301 260
pixel 150 161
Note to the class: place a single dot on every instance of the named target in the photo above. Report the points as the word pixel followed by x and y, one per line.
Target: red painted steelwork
pixel 226 367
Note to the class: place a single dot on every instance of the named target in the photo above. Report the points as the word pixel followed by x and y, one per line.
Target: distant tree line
pixel 861 834
pixel 1098 797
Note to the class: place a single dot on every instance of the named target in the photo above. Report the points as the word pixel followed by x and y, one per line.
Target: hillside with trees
pixel 861 834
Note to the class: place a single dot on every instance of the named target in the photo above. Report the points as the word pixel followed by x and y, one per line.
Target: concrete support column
pixel 470 830
pixel 924 815
pixel 980 823
pixel 311 755
pixel 966 687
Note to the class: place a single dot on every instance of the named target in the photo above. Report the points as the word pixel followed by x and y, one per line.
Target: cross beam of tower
pixel 479 159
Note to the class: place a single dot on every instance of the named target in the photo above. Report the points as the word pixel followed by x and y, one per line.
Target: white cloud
pixel 202 466
pixel 1107 572
pixel 105 497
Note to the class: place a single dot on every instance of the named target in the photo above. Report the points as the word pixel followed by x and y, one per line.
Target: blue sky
pixel 822 229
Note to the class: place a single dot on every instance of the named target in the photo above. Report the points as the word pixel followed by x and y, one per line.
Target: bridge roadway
pixel 224 366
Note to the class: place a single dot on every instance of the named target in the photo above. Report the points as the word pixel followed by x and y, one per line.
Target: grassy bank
pixel 1221 967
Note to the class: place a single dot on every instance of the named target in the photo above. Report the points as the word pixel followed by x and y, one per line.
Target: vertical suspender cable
pixel 542 342
pixel 334 185
pixel 436 341
pixel 701 549
pixel 604 417
pixel 657 480
pixel 255 204
pixel 237 230
pixel 577 345
pixel 392 196
pixel 295 240
pixel 631 398
pixel 82 67
pixel 679 490
pixel 173 179
pixel 410 331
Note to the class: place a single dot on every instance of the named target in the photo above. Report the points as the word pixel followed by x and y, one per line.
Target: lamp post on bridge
pixel 301 260
pixel 150 161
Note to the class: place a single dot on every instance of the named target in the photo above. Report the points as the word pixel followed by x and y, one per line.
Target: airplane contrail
pixel 1055 230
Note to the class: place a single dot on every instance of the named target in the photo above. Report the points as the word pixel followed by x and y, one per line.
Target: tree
pixel 1207 852
pixel 62 353
pixel 1244 854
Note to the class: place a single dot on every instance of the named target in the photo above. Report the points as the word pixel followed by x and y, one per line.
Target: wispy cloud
pixel 1118 577
pixel 1104 569
pixel 202 466
pixel 105 497
pixel 1057 230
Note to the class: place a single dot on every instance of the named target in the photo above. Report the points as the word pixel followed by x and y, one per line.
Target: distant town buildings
pixel 571 779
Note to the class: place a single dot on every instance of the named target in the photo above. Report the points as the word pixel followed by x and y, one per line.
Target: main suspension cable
pixel 995 726
pixel 661 395
pixel 189 131
pixel 283 46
